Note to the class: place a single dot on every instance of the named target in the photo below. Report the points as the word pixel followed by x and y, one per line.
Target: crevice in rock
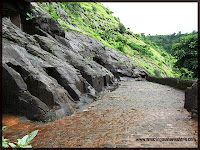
pixel 143 76
pixel 42 44
pixel 51 71
pixel 10 105
pixel 87 77
pixel 34 86
pixel 105 81
pixel 96 82
pixel 98 60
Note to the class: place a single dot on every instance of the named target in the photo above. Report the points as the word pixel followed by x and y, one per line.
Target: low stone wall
pixel 190 87
pixel 181 84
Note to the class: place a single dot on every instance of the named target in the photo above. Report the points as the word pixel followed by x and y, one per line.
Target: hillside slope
pixel 59 57
pixel 49 73
pixel 166 41
pixel 95 20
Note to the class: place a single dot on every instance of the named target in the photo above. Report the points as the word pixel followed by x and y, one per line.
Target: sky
pixel 156 18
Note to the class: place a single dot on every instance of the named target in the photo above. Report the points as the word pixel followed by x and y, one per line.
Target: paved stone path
pixel 124 118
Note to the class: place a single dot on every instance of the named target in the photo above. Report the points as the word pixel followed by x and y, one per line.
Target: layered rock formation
pixel 49 73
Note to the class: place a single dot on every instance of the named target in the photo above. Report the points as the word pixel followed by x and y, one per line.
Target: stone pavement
pixel 124 118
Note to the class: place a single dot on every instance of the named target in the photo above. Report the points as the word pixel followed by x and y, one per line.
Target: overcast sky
pixel 156 18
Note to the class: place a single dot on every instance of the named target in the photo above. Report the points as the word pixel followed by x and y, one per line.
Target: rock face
pixel 49 73
pixel 191 103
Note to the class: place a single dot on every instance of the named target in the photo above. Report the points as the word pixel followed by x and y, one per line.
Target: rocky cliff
pixel 49 73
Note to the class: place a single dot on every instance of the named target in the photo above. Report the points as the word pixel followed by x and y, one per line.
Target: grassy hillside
pixel 166 41
pixel 95 20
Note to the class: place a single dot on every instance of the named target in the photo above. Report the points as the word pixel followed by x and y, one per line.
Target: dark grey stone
pixel 191 103
pixel 49 74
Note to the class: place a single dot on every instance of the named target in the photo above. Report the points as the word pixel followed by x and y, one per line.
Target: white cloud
pixel 156 18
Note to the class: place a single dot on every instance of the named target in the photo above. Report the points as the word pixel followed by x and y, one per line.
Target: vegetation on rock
pixel 95 20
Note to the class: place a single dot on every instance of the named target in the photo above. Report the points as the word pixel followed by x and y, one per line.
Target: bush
pixel 122 28
pixel 104 46
pixel 116 18
pixel 93 26
pixel 144 49
pixel 134 46
pixel 94 8
pixel 108 11
pixel 137 35
pixel 160 64
pixel 55 15
pixel 186 74
pixel 121 39
pixel 74 7
pixel 120 47
pixel 50 8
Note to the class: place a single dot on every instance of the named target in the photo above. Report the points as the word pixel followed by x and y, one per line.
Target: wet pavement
pixel 138 114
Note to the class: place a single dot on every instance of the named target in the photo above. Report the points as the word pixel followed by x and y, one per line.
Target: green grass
pixel 97 21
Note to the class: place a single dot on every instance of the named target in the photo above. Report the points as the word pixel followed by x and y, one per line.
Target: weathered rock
pixel 53 73
pixel 94 73
pixel 112 60
pixel 48 24
pixel 191 100
pixel 50 78
pixel 17 97
pixel 39 84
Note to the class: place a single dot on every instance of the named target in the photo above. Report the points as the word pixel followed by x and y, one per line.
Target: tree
pixel 186 53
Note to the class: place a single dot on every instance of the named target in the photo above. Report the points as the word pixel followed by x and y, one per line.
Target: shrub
pixel 50 8
pixel 104 46
pixel 55 15
pixel 117 19
pixel 121 39
pixel 122 28
pixel 186 74
pixel 93 26
pixel 134 46
pixel 160 64
pixel 94 8
pixel 120 46
pixel 137 35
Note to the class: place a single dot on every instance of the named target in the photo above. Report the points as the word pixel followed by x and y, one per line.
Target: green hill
pixel 95 20
pixel 166 41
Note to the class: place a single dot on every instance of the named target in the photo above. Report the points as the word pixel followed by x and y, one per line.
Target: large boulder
pixel 191 103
